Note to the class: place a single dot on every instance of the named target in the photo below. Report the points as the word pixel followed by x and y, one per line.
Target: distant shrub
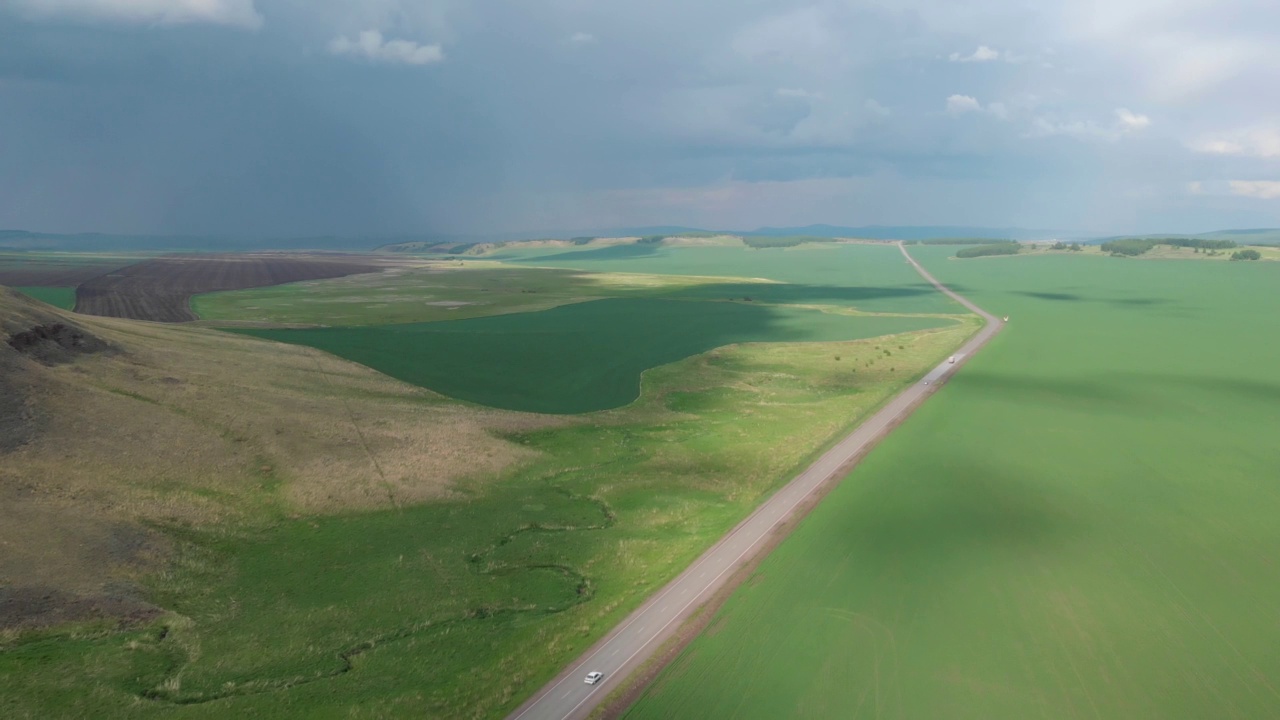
pixel 1249 254
pixel 1002 248
pixel 1131 247
pixel 581 240
pixel 651 239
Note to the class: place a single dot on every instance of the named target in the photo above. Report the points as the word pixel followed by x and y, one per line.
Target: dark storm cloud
pixel 291 117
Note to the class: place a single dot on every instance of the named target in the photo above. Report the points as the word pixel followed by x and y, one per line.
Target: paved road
pixel 624 649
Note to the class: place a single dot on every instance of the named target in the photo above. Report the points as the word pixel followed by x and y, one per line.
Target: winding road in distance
pixel 633 641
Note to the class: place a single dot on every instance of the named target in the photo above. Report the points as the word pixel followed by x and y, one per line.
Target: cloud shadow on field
pixel 1128 392
pixel 795 294
pixel 951 508
pixel 1076 297
pixel 1116 392
pixel 612 252
pixel 1071 297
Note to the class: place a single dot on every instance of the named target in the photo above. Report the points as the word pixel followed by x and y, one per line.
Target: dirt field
pixel 21 269
pixel 161 289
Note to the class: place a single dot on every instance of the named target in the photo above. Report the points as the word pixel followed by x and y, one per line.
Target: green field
pixel 464 605
pixel 442 290
pixel 62 297
pixel 873 278
pixel 1081 524
pixel 580 357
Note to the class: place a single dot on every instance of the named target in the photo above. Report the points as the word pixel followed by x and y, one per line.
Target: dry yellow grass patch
pixel 193 426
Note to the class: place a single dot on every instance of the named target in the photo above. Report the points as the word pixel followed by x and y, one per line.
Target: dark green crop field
pixel 62 297
pixel 580 357
pixel 1081 524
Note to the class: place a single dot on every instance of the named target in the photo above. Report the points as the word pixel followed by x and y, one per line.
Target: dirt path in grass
pixel 633 652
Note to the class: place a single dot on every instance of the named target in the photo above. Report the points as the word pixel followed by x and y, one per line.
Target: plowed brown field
pixel 161 289
pixel 17 271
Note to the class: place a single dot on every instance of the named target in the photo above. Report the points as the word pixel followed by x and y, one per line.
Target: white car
pixel 593 677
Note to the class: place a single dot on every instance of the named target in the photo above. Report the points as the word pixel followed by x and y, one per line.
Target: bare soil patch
pixel 37 607
pixel 48 273
pixel 161 289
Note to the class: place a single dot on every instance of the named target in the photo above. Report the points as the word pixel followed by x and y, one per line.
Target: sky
pixel 345 117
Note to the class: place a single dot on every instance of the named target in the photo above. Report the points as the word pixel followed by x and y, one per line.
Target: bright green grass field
pixel 580 357
pixel 1084 523
pixel 61 297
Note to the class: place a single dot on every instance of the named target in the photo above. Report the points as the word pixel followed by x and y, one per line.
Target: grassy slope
pixel 59 297
pixel 1082 524
pixel 576 358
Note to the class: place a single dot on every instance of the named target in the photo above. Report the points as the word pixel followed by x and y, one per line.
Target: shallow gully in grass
pixel 582 592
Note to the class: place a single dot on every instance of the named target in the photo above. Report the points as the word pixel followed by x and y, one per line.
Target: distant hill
pixel 1254 236
pixel 911 232
pixel 102 242
pixel 1257 236
pixel 20 240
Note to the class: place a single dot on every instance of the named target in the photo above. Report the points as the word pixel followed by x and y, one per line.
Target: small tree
pixel 1249 254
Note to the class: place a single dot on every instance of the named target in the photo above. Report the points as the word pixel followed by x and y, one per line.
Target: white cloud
pixel 1131 121
pixel 239 13
pixel 1048 127
pixel 982 54
pixel 371 45
pixel 1195 187
pixel 1126 122
pixel 798 93
pixel 1263 142
pixel 1219 147
pixel 582 38
pixel 1262 189
pixel 960 104
pixel 877 109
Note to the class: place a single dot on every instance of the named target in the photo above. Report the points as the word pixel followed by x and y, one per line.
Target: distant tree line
pixel 1201 243
pixel 959 241
pixel 1000 248
pixel 1073 247
pixel 782 241
pixel 1247 254
pixel 1131 247
pixel 651 239
pixel 1137 246
pixel 581 240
